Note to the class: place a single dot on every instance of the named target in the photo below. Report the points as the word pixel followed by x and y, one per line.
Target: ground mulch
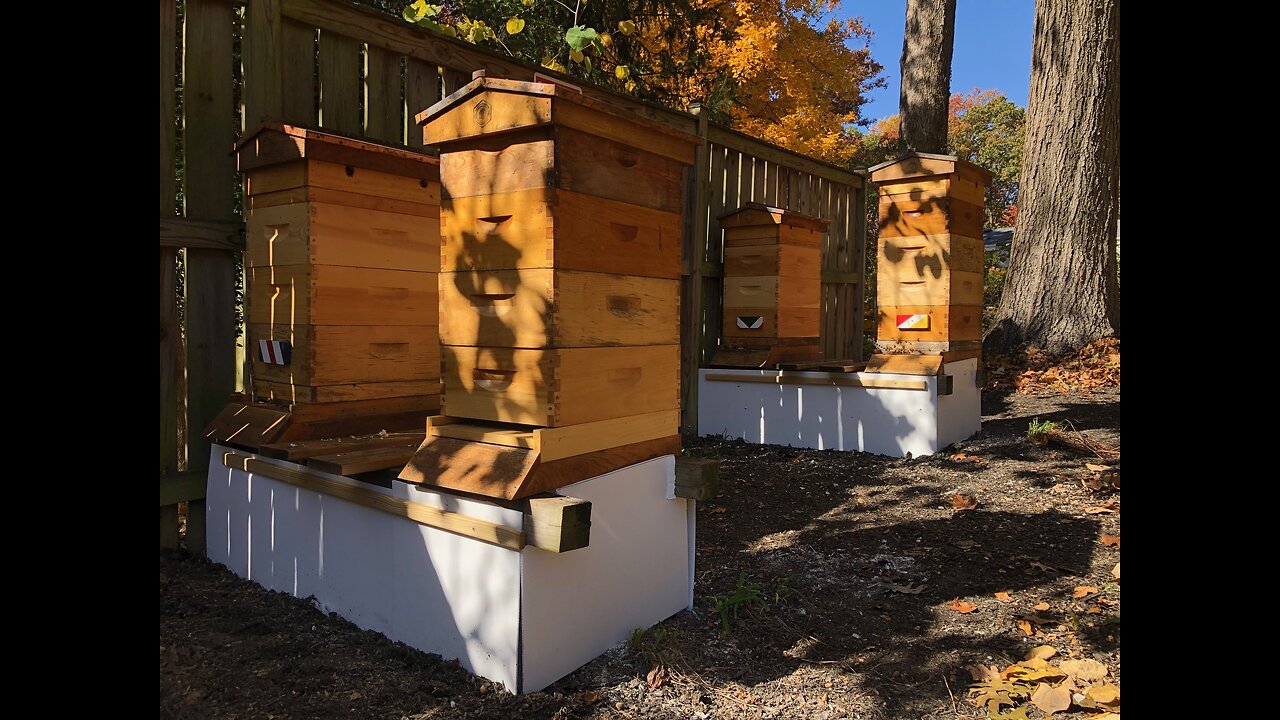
pixel 825 588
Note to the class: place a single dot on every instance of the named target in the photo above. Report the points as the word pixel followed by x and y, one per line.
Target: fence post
pixel 692 268
pixel 262 40
pixel 169 332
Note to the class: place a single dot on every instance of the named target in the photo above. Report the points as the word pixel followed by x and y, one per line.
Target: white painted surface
pixel 883 421
pixel 635 573
pixel 960 413
pixel 458 597
pixel 428 588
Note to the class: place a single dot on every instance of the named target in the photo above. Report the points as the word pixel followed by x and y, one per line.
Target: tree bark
pixel 926 75
pixel 1062 290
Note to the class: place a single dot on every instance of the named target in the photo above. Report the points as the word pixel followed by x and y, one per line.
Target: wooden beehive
pixel 772 286
pixel 929 272
pixel 559 287
pixel 341 257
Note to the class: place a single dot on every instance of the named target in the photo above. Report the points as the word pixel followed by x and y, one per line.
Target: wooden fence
pixel 331 64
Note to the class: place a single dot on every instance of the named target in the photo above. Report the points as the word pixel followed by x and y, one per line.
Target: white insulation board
pixel 831 417
pixel 456 596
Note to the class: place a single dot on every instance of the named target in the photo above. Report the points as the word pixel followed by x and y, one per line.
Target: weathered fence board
pixel 339 83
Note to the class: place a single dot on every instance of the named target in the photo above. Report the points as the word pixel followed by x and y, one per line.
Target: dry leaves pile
pixel 1096 365
pixel 1051 688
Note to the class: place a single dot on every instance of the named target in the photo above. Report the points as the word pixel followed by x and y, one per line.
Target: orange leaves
pixel 961 503
pixel 1115 571
pixel 1082 591
pixel 961 457
pixel 1026 627
pixel 962 607
pixel 1040 607
pixel 1004 597
pixel 1110 506
pixel 1111 541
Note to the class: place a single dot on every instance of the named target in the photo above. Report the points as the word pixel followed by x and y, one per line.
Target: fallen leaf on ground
pixel 1097 468
pixel 1083 590
pixel 1041 652
pixel 1060 488
pixel 1026 628
pixel 716 510
pixel 1111 541
pixel 965 544
pixel 983 673
pixel 1004 597
pixel 1086 669
pixel 1093 610
pixel 1103 694
pixel 1051 699
pixel 590 697
pixel 962 607
pixel 1115 571
pixel 1040 606
pixel 1105 602
pixel 1111 506
pixel 1041 566
pixel 656 677
pixel 963 502
pixel 961 457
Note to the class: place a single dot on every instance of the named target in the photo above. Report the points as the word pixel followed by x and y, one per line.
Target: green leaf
pixel 575 56
pixel 579 36
pixel 514 26
pixel 586 63
pixel 410 13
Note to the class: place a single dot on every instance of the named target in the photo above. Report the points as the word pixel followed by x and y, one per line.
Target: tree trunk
pixel 926 75
pixel 1063 289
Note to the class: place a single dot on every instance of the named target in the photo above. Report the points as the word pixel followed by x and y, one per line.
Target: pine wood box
pixel 929 270
pixel 538 308
pixel 559 387
pixel 537 177
pixel 772 276
pixel 550 227
pixel 341 260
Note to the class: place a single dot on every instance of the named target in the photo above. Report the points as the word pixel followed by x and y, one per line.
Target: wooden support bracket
pixel 839 380
pixel 558 524
pixel 457 523
pixel 697 478
pixel 552 523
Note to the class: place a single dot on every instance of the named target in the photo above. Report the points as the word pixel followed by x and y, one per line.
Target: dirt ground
pixel 834 573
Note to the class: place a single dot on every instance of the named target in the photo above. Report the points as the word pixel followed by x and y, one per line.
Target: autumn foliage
pixel 786 71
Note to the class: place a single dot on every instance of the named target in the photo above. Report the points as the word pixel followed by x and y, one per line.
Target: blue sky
pixel 992 47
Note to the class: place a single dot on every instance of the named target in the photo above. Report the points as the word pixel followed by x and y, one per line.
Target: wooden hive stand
pixel 929 272
pixel 559 288
pixel 341 258
pixel 772 287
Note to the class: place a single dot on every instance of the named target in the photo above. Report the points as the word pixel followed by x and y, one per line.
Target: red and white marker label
pixel 913 322
pixel 274 352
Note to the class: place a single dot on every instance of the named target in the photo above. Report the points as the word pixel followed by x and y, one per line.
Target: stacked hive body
pixel 929 272
pixel 772 287
pixel 341 258
pixel 559 287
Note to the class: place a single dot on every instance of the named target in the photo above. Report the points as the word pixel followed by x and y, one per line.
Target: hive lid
pixel 917 164
pixel 489 106
pixel 272 143
pixel 753 214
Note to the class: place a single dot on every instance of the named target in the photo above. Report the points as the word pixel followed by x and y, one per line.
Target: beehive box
pixel 342 253
pixel 772 285
pixel 929 271
pixel 560 263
